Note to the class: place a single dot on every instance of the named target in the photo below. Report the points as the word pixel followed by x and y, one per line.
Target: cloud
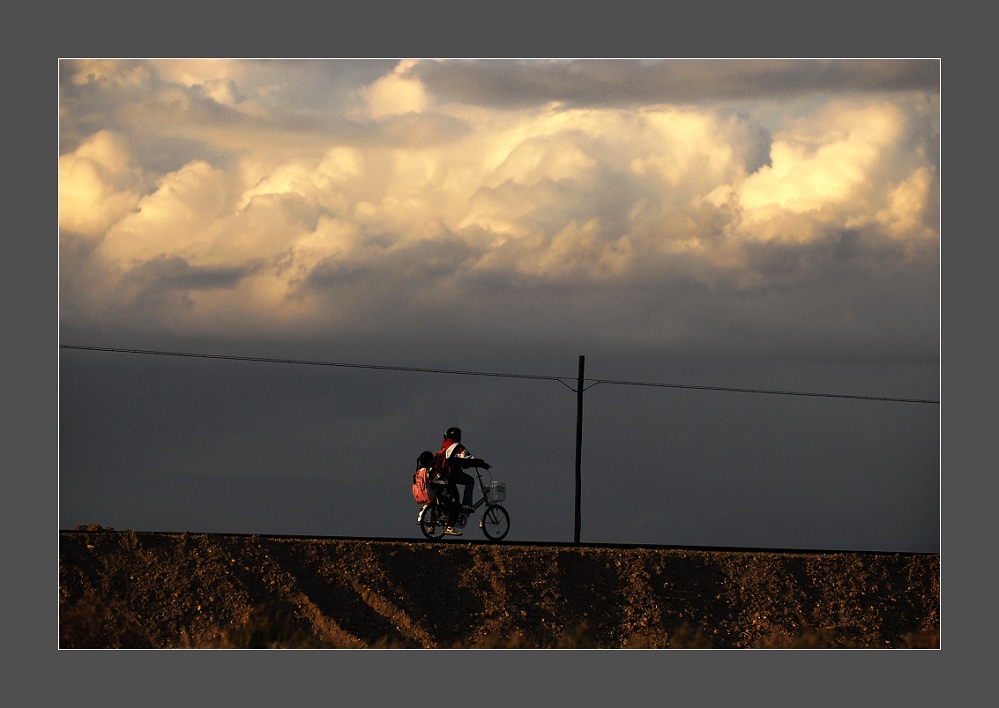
pixel 98 185
pixel 180 218
pixel 396 94
pixel 414 206
pixel 824 161
pixel 204 72
pixel 109 73
pixel 518 83
pixel 912 209
pixel 840 168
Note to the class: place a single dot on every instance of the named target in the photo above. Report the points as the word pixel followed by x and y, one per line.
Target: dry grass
pixel 129 590
pixel 90 622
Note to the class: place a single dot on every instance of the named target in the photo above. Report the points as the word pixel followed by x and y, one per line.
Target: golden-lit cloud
pixel 97 185
pixel 396 93
pixel 551 191
pixel 184 217
pixel 822 161
pixel 201 72
pixel 911 208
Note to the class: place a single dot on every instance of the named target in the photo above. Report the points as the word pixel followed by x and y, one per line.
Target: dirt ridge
pixel 126 589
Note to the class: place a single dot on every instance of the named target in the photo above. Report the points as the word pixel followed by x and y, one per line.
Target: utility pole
pixel 579 443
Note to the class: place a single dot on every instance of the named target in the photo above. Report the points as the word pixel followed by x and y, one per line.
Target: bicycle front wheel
pixel 495 522
pixel 432 520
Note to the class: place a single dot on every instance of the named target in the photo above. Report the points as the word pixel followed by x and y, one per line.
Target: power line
pixel 769 391
pixel 561 379
pixel 269 360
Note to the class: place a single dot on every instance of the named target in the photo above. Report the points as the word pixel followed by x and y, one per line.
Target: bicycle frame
pixel 495 521
pixel 483 495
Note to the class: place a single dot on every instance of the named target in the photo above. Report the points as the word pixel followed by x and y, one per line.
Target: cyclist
pixel 456 458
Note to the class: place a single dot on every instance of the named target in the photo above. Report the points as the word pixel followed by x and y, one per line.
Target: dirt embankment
pixel 156 590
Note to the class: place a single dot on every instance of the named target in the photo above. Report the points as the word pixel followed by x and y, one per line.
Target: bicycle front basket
pixel 496 492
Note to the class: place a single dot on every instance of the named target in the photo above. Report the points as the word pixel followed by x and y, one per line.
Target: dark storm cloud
pixel 177 439
pixel 516 83
pixel 150 291
pixel 175 273
pixel 132 101
pixel 322 85
pixel 414 263
pixel 154 113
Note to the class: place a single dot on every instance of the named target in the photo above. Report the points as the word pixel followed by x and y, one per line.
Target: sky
pixel 724 229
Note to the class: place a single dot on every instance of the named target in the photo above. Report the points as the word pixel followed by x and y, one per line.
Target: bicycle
pixel 495 521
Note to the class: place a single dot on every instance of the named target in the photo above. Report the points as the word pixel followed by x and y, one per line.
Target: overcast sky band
pixel 592 382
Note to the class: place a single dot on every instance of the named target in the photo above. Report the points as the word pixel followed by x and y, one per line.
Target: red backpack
pixel 423 490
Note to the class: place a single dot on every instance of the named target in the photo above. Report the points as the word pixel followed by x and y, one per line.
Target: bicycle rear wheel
pixel 495 523
pixel 432 521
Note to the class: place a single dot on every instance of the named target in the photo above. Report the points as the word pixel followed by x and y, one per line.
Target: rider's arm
pixel 470 461
pixel 466 460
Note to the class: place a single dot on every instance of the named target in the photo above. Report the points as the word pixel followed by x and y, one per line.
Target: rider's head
pixel 453 434
pixel 425 459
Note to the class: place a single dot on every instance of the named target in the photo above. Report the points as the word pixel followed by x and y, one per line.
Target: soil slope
pixel 125 589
